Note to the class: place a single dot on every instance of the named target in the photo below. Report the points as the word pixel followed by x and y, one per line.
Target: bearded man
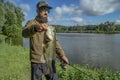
pixel 43 44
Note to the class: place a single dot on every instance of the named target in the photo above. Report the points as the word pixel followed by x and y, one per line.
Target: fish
pixel 49 33
pixel 49 47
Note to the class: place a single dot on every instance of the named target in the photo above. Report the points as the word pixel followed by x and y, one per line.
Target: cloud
pixel 117 21
pixel 69 10
pixel 66 13
pixel 26 8
pixel 91 8
pixel 77 19
pixel 99 7
pixel 58 11
pixel 74 12
pixel 25 13
pixel 51 19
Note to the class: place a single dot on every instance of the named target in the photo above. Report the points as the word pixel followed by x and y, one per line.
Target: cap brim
pixel 46 6
pixel 50 7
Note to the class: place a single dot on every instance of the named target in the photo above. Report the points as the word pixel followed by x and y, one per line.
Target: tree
pixel 20 16
pixel 109 26
pixel 13 34
pixel 2 15
pixel 1 2
pixel 10 6
pixel 10 17
pixel 11 22
pixel 106 26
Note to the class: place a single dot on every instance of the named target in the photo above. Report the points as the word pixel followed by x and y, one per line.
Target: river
pixel 95 50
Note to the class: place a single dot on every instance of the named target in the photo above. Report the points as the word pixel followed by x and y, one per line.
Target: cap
pixel 43 4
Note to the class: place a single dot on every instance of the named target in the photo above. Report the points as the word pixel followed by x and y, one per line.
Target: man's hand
pixel 41 27
pixel 65 59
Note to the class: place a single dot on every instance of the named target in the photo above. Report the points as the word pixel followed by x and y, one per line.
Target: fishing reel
pixel 63 66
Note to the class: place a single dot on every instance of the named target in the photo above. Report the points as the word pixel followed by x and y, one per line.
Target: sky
pixel 74 12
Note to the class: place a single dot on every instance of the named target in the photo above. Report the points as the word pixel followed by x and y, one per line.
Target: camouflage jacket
pixel 36 42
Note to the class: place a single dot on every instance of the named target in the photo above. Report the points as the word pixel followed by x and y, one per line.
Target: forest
pixel 105 27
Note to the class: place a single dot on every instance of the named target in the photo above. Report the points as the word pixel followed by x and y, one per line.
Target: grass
pixel 15 65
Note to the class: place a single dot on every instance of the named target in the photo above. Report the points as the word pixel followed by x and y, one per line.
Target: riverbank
pixel 15 65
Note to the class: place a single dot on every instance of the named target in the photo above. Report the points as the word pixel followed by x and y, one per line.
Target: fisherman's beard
pixel 42 19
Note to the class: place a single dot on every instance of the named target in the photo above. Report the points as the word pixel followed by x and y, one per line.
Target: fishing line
pixel 63 65
pixel 80 71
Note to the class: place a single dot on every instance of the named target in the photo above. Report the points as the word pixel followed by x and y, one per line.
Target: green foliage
pixel 20 15
pixel 2 16
pixel 15 65
pixel 2 38
pixel 11 18
pixel 60 28
pixel 13 34
pixel 86 73
pixel 106 27
pixel 1 1
pixel 11 31
pixel 117 28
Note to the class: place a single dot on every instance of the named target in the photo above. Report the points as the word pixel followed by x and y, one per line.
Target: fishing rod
pixel 81 71
pixel 63 66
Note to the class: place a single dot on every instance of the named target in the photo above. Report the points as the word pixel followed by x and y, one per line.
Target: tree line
pixel 105 27
pixel 11 18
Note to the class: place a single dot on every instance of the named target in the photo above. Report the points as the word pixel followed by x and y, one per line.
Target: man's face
pixel 43 14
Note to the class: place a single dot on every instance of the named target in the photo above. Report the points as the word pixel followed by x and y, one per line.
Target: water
pixel 96 50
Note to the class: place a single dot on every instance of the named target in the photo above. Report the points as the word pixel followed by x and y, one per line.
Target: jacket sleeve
pixel 29 29
pixel 59 50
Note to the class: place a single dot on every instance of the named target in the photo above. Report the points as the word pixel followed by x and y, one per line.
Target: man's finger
pixel 64 58
pixel 44 26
